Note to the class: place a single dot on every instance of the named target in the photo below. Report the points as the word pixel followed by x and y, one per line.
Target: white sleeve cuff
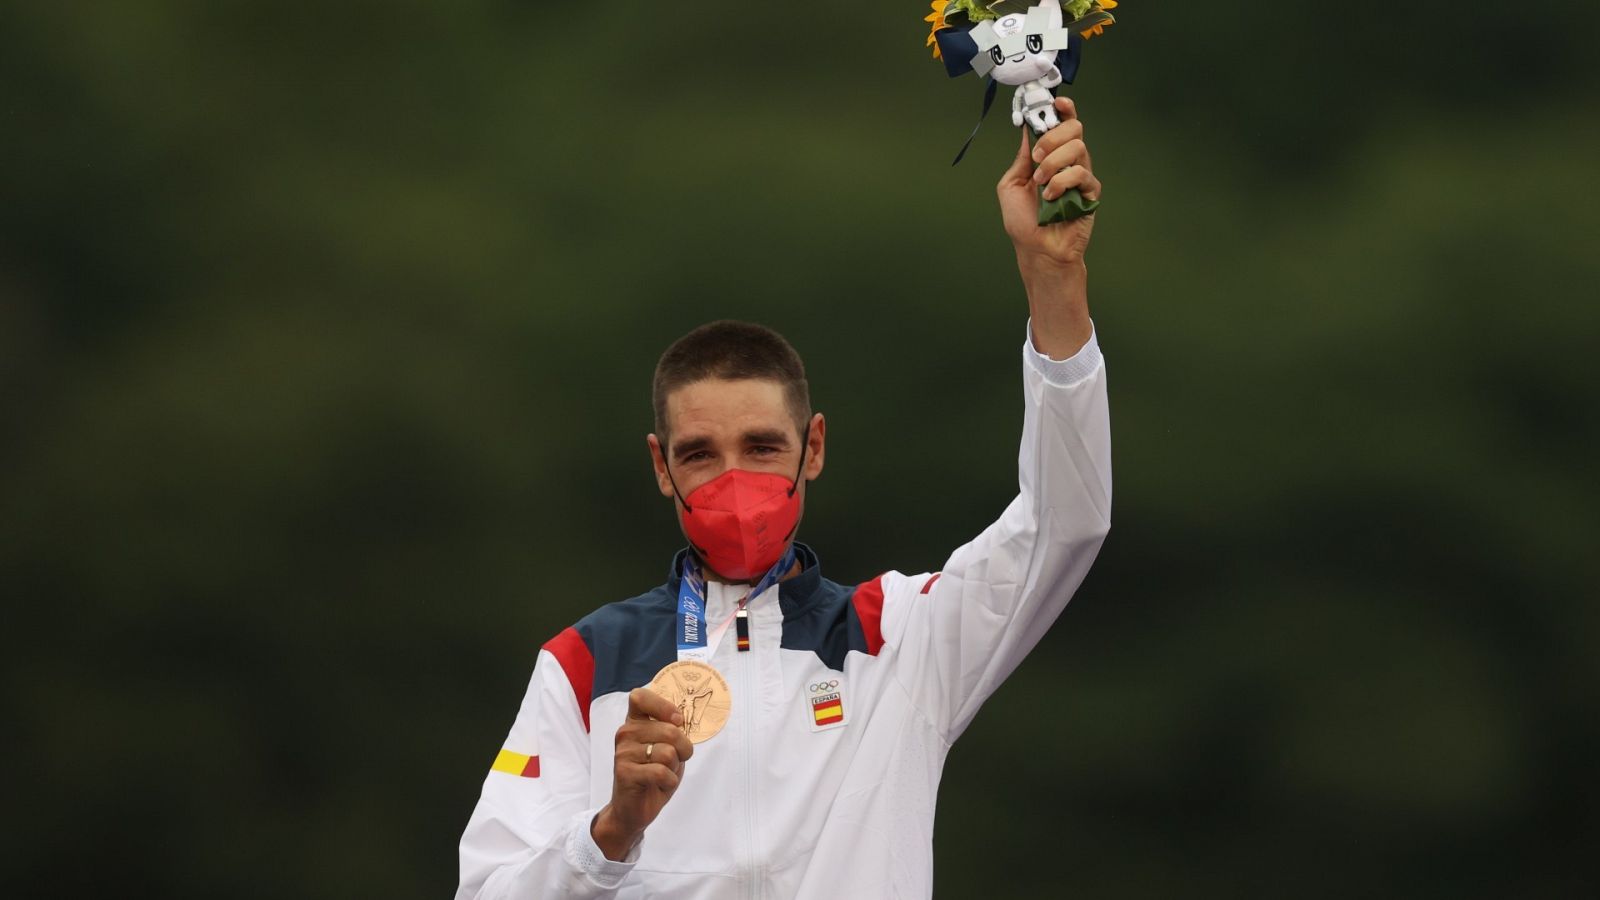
pixel 586 856
pixel 1063 372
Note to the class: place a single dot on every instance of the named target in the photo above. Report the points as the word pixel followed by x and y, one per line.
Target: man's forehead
pixel 728 404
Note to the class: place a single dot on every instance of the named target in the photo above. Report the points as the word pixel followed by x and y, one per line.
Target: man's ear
pixel 816 444
pixel 658 459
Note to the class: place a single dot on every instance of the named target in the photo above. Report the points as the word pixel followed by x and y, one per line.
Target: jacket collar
pixel 792 594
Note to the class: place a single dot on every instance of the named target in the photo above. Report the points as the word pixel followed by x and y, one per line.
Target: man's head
pixel 731 351
pixel 732 395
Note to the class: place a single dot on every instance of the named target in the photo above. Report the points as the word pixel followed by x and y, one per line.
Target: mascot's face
pixel 1020 55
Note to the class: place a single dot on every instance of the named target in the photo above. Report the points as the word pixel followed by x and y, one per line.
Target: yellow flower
pixel 1100 27
pixel 937 18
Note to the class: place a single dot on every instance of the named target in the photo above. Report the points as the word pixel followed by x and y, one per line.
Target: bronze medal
pixel 701 695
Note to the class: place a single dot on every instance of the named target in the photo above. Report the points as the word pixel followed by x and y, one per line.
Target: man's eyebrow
pixel 690 445
pixel 768 436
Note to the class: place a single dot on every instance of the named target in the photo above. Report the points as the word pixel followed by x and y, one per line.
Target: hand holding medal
pixel 686 703
pixel 652 747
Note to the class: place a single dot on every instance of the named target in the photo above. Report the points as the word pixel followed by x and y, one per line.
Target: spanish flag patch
pixel 827 709
pixel 825 702
pixel 514 763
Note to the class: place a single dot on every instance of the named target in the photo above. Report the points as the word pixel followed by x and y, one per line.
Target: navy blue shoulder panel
pixel 825 623
pixel 630 641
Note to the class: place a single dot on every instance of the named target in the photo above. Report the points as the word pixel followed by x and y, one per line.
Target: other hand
pixel 652 748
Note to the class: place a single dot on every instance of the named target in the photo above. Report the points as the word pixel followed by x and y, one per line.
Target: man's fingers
pixel 648 731
pixel 1068 130
pixel 1074 177
pixel 1072 153
pixel 633 737
pixel 666 780
pixel 661 753
pixel 639 776
pixel 1066 109
pixel 644 703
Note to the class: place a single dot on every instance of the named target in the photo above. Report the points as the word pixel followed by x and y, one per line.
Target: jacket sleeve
pixel 529 834
pixel 959 633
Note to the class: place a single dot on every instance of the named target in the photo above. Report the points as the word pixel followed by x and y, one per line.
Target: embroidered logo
pixel 825 703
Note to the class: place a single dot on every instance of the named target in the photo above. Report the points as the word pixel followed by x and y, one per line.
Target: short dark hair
pixel 731 350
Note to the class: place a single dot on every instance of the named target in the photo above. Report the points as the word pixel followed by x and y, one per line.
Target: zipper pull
pixel 741 628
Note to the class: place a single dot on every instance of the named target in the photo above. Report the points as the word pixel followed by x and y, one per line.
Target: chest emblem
pixel 825 703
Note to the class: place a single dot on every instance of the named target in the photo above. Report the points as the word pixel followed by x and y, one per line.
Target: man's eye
pixel 1035 43
pixel 996 55
pixel 697 456
pixel 763 451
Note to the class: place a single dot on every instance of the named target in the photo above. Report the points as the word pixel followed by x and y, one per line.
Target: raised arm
pixel 959 633
pixel 1051 258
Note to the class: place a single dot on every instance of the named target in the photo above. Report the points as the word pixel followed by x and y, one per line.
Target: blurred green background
pixel 325 339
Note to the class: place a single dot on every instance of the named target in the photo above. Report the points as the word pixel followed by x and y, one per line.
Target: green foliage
pixel 325 338
pixel 980 11
pixel 973 10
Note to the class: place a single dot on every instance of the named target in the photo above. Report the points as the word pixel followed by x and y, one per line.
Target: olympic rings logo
pixel 825 686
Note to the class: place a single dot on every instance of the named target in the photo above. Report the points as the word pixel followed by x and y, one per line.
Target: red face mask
pixel 740 522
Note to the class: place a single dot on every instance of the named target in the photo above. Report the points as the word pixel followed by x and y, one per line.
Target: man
pixel 806 764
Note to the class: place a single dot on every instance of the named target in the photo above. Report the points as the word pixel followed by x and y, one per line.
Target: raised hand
pixel 1058 161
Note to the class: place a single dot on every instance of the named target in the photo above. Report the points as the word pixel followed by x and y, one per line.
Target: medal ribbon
pixel 693 641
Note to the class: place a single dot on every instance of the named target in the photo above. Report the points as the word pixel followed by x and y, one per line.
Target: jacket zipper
pixel 750 687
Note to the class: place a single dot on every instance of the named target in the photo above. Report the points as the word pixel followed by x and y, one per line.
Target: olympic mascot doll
pixel 1031 48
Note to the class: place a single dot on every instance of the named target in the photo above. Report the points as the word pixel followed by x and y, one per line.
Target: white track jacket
pixel 822 783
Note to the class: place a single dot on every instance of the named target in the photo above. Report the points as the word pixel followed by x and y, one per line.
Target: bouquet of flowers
pixel 1032 48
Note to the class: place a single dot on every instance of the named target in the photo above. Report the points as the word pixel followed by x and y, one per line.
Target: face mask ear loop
pixel 674 482
pixel 805 444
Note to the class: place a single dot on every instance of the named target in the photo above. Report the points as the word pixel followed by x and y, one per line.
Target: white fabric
pixel 1067 371
pixel 770 807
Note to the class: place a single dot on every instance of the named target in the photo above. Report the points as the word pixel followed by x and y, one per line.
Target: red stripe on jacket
pixel 868 601
pixel 578 663
pixel 929 586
